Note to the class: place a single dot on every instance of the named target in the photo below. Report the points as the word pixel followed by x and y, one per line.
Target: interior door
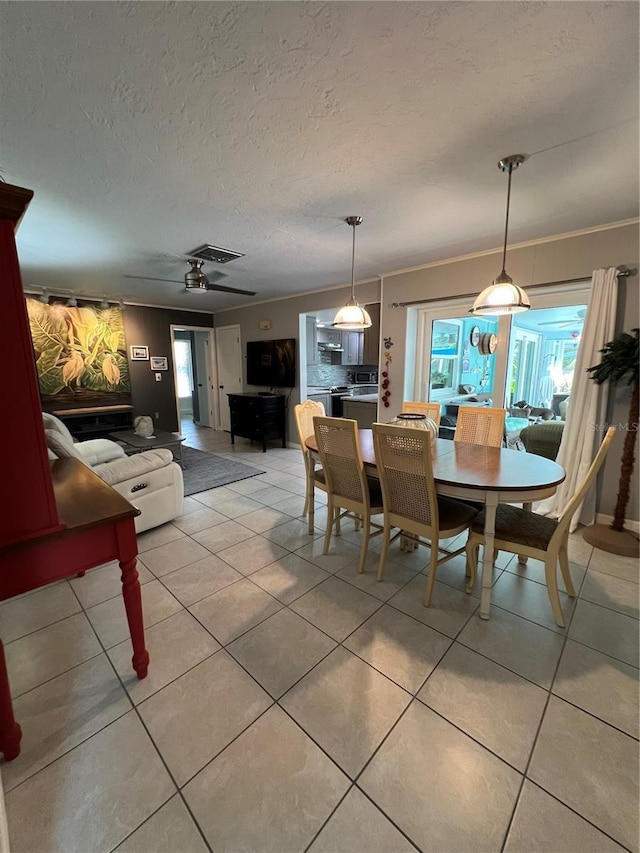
pixel 202 413
pixel 229 358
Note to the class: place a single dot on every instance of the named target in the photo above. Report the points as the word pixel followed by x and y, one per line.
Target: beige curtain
pixel 585 424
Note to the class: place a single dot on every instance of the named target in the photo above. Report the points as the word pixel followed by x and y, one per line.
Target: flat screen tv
pixel 272 363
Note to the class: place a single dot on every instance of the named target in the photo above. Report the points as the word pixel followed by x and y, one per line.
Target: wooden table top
pixel 476 466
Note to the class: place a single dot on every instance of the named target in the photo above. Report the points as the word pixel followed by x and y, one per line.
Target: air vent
pixel 213 253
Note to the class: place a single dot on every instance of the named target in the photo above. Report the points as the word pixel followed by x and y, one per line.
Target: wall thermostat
pixel 264 324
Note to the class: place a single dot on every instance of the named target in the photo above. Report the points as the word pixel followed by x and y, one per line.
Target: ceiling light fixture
pixel 44 297
pixel 121 304
pixel 352 317
pixel 503 296
pixel 105 303
pixel 72 302
pixel 195 279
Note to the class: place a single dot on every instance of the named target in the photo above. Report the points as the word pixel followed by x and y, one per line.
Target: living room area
pixel 192 664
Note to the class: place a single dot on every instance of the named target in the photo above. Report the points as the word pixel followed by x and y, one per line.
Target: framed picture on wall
pixel 159 363
pixel 139 353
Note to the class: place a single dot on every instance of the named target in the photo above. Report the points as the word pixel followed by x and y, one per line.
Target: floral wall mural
pixel 80 354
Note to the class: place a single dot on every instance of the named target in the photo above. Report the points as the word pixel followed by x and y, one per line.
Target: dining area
pixel 401 482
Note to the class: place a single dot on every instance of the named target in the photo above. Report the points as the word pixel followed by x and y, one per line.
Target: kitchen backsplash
pixel 326 375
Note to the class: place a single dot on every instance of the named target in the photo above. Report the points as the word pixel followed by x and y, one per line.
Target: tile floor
pixel 293 705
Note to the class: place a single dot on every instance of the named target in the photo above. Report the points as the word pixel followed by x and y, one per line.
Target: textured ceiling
pixel 146 129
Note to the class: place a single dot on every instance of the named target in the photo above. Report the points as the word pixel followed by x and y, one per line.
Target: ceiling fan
pixel 195 279
pixel 571 321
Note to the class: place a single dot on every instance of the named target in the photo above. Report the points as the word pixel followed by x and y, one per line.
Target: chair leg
pixel 563 557
pixel 472 566
pixel 366 530
pixel 330 523
pixel 433 563
pixel 550 573
pixel 386 539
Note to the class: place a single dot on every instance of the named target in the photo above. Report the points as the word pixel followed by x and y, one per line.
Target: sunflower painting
pixel 80 354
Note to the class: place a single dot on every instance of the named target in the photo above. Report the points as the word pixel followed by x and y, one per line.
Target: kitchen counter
pixel 362 398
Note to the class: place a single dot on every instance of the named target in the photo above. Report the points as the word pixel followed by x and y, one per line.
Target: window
pixel 534 360
pixel 184 372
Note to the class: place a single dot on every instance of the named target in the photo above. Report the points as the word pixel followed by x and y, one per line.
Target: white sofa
pixel 151 481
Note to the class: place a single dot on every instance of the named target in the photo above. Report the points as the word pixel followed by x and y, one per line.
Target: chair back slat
pixel 337 440
pixel 304 414
pixel 403 458
pixel 571 507
pixel 430 410
pixel 480 425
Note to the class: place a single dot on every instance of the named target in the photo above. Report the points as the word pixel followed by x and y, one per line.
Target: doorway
pixel 194 375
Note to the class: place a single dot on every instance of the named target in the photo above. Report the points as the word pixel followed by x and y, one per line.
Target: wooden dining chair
pixel 349 490
pixel 304 414
pixel 403 458
pixel 522 532
pixel 480 425
pixel 430 410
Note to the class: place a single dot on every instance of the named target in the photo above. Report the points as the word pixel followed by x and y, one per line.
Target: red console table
pixel 98 528
pixel 61 519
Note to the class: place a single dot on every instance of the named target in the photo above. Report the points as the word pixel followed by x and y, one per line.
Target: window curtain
pixel 586 414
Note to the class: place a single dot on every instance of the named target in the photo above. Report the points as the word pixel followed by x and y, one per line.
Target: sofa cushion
pixel 99 450
pixel 60 445
pixel 133 466
pixel 53 423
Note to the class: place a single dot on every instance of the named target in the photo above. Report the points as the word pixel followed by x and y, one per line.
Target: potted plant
pixel 620 361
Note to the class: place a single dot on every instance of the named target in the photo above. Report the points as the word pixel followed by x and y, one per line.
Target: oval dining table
pixel 488 475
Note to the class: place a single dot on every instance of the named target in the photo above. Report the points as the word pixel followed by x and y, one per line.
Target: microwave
pixel 362 377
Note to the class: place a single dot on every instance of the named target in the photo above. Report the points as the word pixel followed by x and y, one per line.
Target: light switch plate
pixel 158 377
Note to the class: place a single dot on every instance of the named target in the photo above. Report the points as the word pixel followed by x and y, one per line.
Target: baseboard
pixel 633 526
pixel 4 831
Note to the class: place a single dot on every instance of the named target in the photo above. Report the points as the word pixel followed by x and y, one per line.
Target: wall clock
pixel 488 344
pixel 474 337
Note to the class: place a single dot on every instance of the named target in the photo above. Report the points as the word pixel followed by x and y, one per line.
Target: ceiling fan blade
pixel 223 289
pixel 154 278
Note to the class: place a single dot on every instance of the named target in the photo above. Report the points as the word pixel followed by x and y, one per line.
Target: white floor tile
pixel 197 715
pixel 590 767
pixel 283 789
pixel 235 610
pixel 442 789
pixel 343 696
pixel 21 616
pixel 92 800
pixel 170 830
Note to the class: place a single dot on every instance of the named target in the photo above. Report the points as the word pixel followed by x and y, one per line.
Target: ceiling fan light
pixel 352 317
pixel 72 302
pixel 195 279
pixel 104 304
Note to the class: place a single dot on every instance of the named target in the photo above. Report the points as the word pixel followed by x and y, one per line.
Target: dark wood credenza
pixel 258 417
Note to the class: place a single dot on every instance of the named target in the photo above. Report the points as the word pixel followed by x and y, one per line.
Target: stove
pixel 337 392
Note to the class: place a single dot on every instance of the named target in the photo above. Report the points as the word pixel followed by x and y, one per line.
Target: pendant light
pixel 352 317
pixel 503 296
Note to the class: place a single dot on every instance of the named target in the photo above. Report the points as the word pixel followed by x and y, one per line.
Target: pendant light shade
pixel 352 317
pixel 503 296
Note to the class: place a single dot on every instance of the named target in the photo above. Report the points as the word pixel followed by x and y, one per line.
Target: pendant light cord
pixel 506 224
pixel 353 262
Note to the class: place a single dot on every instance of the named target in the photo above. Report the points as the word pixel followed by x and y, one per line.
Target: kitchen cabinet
pixel 352 346
pixel 371 336
pixel 329 336
pixel 365 412
pixel 312 341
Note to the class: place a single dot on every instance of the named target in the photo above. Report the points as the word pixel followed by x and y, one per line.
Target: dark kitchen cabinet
pixel 259 417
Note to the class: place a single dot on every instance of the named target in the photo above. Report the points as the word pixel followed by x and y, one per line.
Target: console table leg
pixel 10 731
pixel 133 606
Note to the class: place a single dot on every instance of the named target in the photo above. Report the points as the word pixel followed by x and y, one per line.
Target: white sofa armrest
pixel 138 465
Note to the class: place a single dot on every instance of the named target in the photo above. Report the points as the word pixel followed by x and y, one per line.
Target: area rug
pixel 204 471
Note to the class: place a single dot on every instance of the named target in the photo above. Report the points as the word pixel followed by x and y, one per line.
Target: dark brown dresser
pixel 259 417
